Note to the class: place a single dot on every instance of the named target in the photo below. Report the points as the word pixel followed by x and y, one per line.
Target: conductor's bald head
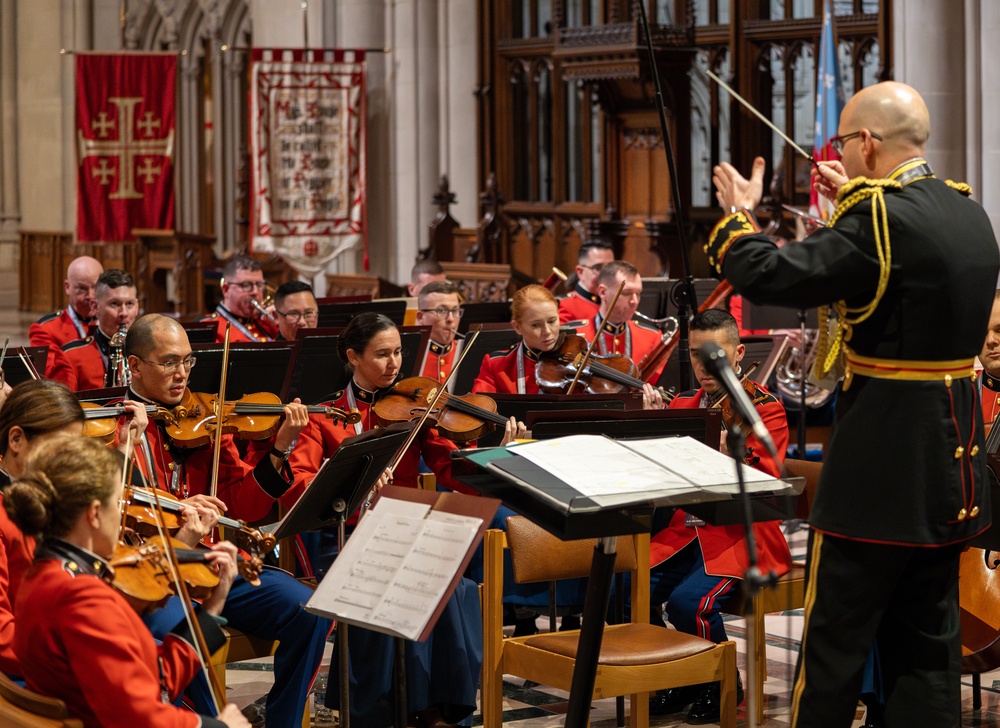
pixel 890 110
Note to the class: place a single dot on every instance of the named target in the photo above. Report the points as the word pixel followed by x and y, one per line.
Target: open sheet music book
pixel 608 473
pixel 403 561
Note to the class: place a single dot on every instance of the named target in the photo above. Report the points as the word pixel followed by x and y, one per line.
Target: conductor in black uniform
pixel 908 264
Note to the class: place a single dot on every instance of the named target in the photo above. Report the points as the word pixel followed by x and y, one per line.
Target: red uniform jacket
pixel 322 436
pixel 724 547
pixel 16 554
pixel 85 366
pixel 632 340
pixel 499 372
pixel 249 491
pixel 579 305
pixel 439 360
pixel 80 641
pixel 55 330
pixel 255 329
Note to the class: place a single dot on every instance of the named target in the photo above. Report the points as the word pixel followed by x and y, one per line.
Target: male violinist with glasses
pixel 439 307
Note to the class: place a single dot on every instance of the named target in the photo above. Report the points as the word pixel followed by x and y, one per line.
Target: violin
pixel 459 418
pixel 102 422
pixel 556 369
pixel 252 417
pixel 140 516
pixel 142 573
pixel 730 416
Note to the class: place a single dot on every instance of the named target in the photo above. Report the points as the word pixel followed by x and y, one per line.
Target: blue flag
pixel 829 102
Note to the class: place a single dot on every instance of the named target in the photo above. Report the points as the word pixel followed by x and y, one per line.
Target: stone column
pixel 10 211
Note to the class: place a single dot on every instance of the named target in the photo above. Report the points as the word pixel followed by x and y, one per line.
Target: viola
pixel 142 573
pixel 459 418
pixel 141 517
pixel 556 369
pixel 257 416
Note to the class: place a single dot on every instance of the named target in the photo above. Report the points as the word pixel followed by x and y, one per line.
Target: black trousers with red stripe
pixel 907 598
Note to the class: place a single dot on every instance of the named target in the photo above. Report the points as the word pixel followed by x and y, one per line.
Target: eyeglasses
pixel 596 267
pixel 248 286
pixel 171 367
pixel 442 312
pixel 296 316
pixel 838 141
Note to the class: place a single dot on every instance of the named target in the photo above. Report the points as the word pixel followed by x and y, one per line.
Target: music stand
pixel 484 312
pixel 200 332
pixel 262 366
pixel 102 396
pixel 14 369
pixel 522 405
pixel 767 349
pixel 336 315
pixel 493 337
pixel 319 372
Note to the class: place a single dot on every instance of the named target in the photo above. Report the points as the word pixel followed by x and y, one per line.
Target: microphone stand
pixel 803 382
pixel 683 294
pixel 753 579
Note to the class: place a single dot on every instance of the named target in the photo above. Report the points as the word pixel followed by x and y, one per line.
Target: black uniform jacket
pixel 906 464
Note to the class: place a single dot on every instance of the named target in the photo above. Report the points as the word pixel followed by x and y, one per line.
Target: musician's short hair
pixel 113 278
pixel 715 319
pixel 523 297
pixel 288 288
pixel 591 244
pixel 140 340
pixel 609 273
pixel 425 267
pixel 239 262
pixel 359 332
pixel 446 288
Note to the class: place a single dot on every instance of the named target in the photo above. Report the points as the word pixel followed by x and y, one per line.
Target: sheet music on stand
pixel 403 561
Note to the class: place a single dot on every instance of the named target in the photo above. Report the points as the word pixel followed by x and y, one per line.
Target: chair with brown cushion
pixel 636 658
pixel 789 592
pixel 23 708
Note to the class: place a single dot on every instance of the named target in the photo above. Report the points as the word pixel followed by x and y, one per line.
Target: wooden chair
pixel 23 708
pixel 636 658
pixel 789 592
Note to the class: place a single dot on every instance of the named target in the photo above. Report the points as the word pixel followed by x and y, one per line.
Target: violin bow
pixel 220 405
pixel 593 344
pixel 201 646
pixel 27 363
pixel 431 404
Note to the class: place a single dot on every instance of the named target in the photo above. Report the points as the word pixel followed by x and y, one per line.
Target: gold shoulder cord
pixel 853 193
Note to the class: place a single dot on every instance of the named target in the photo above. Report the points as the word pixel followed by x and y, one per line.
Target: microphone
pixel 713 358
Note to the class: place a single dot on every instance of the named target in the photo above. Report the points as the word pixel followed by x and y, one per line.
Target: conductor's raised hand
pixel 828 177
pixel 732 189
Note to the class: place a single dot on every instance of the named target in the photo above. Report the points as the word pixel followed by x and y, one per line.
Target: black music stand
pixel 493 337
pixel 337 314
pixel 319 372
pixel 568 514
pixel 484 312
pixel 200 332
pixel 262 366
pixel 334 494
pixel 522 406
pixel 14 369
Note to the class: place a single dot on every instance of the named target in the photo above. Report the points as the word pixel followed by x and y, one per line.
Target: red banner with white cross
pixel 125 144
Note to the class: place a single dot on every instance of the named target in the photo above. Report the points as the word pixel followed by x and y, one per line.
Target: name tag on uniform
pixel 692 521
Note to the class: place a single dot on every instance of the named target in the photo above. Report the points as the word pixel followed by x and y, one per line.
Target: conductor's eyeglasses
pixel 838 141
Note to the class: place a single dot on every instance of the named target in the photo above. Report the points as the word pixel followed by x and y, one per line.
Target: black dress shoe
pixel 674 700
pixel 707 708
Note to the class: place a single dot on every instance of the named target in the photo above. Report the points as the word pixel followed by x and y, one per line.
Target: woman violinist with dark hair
pixel 442 672
pixel 77 638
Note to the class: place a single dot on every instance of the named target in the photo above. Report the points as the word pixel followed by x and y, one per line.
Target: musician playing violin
pixel 242 285
pixel 77 638
pixel 583 302
pixel 160 358
pixel 439 307
pixel 34 412
pixel 696 567
pixel 442 672
pixel 619 333
pixel 535 317
pixel 990 359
